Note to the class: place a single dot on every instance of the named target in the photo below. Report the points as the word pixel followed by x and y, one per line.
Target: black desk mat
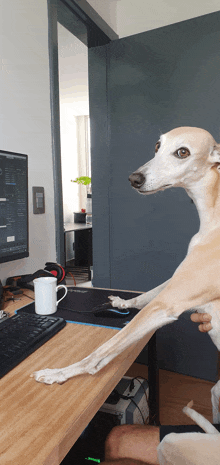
pixel 83 300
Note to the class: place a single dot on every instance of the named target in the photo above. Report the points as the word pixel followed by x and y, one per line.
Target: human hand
pixel 204 320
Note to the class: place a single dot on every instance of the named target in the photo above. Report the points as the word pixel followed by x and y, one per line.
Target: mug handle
pixel 59 287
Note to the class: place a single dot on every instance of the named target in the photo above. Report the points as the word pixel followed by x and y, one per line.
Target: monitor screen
pixel 13 206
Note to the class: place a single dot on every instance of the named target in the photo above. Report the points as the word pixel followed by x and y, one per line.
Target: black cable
pixel 100 307
pixel 131 387
pixel 76 311
pixel 132 400
pixel 28 296
pixel 137 378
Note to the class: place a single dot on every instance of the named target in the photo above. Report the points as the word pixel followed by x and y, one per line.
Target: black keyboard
pixel 22 334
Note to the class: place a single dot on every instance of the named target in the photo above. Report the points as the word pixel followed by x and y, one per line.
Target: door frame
pixel 78 21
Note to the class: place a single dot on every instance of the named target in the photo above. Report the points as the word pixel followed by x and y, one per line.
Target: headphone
pixel 56 270
pixel 51 270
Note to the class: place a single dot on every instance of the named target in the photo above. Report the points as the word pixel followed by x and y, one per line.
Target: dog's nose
pixel 137 180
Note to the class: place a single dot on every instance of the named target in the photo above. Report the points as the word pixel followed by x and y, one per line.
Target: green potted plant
pixel 86 180
pixel 80 217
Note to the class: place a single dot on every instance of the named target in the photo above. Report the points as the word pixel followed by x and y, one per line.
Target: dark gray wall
pixel 142 86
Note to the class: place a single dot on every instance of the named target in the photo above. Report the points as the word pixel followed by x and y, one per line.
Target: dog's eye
pixel 157 146
pixel 182 153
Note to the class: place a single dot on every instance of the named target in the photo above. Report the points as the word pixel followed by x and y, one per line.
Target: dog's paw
pixel 49 376
pixel 118 302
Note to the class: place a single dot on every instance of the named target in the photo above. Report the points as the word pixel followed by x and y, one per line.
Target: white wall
pixel 73 72
pixel 107 10
pixel 25 118
pixel 134 16
pixel 69 162
pixel 128 17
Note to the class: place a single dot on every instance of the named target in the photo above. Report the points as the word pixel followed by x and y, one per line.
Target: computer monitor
pixel 13 206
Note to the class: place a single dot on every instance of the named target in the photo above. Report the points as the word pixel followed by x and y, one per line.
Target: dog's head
pixel 182 157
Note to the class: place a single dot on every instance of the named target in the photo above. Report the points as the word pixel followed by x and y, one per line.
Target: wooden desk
pixel 40 423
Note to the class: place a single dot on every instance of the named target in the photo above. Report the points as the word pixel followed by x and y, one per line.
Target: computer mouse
pixel 105 310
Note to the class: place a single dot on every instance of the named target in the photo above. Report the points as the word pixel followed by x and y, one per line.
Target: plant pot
pixel 79 217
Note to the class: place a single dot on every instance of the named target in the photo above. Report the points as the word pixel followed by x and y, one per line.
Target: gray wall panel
pixel 156 81
pixel 100 164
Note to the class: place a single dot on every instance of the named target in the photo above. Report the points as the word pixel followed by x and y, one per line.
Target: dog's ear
pixel 214 156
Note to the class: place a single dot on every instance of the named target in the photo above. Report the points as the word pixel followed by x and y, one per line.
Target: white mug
pixel 45 290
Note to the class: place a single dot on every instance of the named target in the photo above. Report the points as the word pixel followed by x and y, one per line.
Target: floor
pixel 176 391
pixel 77 275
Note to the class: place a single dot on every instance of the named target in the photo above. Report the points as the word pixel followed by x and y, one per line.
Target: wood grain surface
pixel 40 423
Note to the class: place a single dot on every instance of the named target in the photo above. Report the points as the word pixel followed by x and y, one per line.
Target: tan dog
pixel 189 158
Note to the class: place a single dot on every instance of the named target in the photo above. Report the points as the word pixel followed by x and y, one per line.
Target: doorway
pixel 75 154
pixel 74 125
pixel 67 15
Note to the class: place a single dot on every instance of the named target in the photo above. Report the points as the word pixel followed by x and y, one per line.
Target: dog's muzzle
pixel 137 180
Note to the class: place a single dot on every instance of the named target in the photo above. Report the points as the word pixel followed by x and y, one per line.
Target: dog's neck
pixel 206 196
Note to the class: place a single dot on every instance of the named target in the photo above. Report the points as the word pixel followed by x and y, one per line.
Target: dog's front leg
pixel 140 301
pixel 146 321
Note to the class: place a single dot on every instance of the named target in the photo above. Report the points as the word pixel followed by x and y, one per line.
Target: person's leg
pixel 137 442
